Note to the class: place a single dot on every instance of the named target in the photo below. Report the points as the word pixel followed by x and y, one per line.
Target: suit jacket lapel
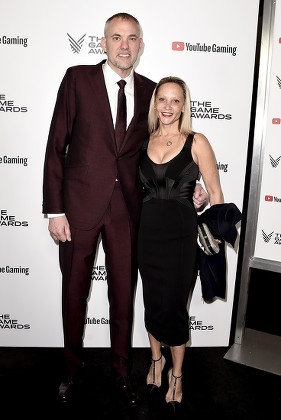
pixel 97 84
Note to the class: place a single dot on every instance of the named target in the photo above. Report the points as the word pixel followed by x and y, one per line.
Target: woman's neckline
pixel 170 160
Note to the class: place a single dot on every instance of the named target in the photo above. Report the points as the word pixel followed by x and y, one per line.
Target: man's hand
pixel 200 197
pixel 59 228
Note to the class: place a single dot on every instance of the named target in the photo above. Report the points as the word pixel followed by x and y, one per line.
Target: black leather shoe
pixel 65 390
pixel 124 387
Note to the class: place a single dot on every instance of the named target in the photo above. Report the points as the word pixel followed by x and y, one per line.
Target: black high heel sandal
pixel 153 387
pixel 175 404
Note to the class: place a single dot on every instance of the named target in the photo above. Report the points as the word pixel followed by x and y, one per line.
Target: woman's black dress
pixel 167 244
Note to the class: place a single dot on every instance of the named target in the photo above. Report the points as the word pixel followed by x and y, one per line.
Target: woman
pixel 171 162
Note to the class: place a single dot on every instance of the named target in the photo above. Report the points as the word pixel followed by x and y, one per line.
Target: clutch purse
pixel 208 243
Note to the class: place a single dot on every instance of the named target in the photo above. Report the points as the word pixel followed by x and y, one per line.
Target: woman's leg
pixel 157 363
pixel 175 374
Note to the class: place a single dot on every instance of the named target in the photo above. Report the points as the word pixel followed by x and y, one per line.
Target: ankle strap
pixel 157 360
pixel 177 377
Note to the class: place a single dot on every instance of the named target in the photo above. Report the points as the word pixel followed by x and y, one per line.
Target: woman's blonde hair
pixel 185 118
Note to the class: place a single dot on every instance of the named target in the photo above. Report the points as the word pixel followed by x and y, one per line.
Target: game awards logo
pixel 267 236
pixel 76 45
pixel 274 161
pixel 99 273
pixel 9 323
pixel 93 43
pixel 10 221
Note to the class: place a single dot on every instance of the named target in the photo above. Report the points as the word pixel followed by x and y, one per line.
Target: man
pixel 91 188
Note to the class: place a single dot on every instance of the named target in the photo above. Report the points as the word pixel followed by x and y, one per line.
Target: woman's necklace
pixel 170 142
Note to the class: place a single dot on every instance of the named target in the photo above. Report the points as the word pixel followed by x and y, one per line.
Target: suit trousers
pixel 77 257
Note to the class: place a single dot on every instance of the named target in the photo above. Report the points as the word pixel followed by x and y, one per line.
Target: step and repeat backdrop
pixel 209 44
pixel 268 237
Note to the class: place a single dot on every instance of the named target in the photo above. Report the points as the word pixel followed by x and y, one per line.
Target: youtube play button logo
pixel 178 46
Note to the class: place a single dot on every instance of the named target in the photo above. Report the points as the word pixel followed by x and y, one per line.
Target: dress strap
pixel 145 144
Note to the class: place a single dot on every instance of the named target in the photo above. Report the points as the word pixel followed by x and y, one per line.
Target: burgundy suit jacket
pixel 81 161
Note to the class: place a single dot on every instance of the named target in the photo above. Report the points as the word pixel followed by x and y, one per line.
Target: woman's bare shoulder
pixel 200 137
